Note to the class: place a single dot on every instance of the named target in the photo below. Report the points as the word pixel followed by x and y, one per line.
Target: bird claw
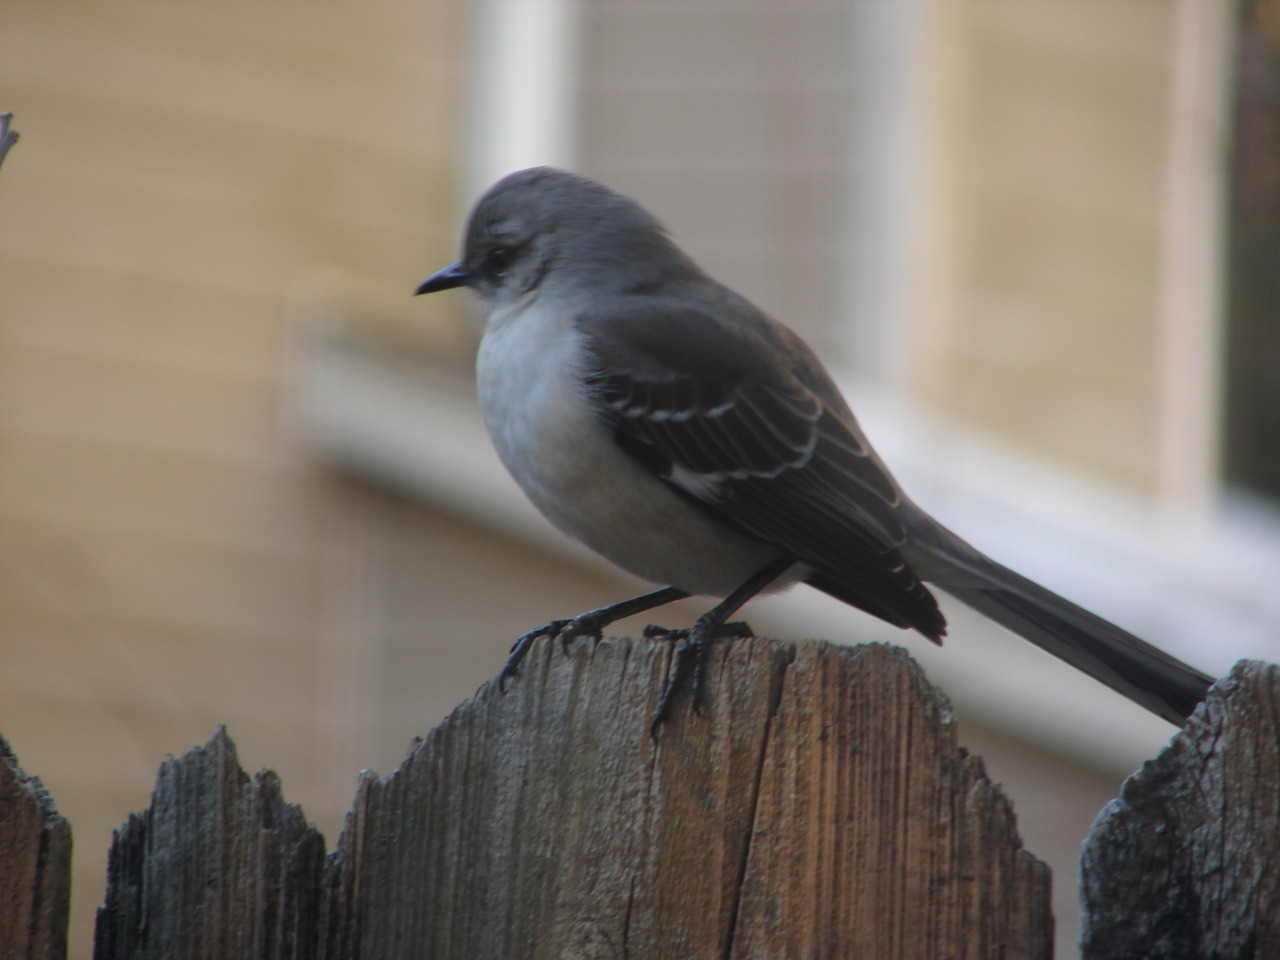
pixel 566 631
pixel 690 668
pixel 693 645
pixel 521 647
pixel 588 625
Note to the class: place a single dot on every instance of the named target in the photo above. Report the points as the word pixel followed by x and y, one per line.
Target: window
pixel 1252 447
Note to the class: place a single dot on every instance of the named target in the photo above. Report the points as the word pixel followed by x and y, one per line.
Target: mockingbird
pixel 674 428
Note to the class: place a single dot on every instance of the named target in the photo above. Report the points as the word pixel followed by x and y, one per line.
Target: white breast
pixel 566 462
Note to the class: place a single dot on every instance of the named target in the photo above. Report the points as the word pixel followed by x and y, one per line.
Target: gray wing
pixel 732 418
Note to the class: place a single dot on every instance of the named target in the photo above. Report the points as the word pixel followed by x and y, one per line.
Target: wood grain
pixel 1185 864
pixel 819 808
pixel 218 866
pixel 35 867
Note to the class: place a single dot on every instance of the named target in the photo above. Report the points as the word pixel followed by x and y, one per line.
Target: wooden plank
pixel 35 867
pixel 906 847
pixel 820 807
pixel 1185 863
pixel 218 866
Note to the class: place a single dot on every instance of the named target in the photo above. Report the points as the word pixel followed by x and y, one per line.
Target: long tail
pixel 1130 666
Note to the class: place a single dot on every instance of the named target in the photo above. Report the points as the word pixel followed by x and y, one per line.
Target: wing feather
pixel 764 452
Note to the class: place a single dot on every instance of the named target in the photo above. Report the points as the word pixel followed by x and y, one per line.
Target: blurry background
pixel 242 479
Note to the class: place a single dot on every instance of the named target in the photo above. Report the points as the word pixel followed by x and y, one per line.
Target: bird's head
pixel 543 227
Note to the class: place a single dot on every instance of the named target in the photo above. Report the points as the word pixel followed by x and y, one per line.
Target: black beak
pixel 451 276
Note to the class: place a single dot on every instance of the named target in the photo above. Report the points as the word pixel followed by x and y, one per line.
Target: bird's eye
pixel 500 260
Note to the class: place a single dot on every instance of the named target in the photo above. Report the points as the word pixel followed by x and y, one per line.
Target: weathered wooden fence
pixel 819 808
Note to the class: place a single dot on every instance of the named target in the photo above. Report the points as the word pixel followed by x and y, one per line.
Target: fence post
pixel 1185 864
pixel 820 807
pixel 35 867
pixel 219 866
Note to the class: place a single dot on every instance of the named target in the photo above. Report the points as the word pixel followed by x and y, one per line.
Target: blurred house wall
pixel 200 185
pixel 1037 177
pixel 1051 167
pixel 966 204
pixel 171 556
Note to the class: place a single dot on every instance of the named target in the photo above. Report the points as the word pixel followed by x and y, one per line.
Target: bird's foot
pixel 566 631
pixel 590 625
pixel 521 647
pixel 690 668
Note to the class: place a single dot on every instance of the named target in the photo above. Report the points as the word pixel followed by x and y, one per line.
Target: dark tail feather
pixel 1144 674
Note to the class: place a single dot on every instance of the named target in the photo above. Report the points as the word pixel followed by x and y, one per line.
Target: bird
pixel 676 429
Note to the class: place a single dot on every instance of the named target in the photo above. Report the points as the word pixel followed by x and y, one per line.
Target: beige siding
pixel 736 124
pixel 170 556
pixel 1040 202
pixel 1052 137
pixel 198 181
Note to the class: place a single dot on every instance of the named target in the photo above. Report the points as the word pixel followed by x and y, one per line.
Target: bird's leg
pixel 593 623
pixel 589 624
pixel 691 654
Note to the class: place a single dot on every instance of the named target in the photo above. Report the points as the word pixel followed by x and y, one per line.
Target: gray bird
pixel 676 429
